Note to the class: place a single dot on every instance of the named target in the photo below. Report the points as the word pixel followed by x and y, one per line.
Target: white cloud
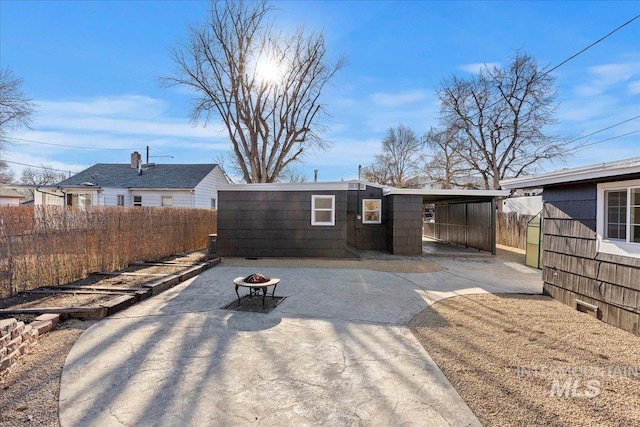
pixel 121 105
pixel 634 87
pixel 397 99
pixel 608 74
pixel 476 67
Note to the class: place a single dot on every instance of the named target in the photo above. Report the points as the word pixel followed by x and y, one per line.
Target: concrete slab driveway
pixel 336 351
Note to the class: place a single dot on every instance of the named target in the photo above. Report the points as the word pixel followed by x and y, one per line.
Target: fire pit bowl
pixel 256 282
pixel 257 278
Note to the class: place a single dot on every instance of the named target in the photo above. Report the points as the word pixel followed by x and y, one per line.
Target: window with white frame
pixel 137 200
pixel 120 200
pixel 371 211
pixel 323 210
pixel 618 219
pixel 213 203
pixel 167 201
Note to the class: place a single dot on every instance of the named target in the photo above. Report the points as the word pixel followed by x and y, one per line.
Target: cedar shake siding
pixel 278 224
pixel 572 267
pixel 366 236
pixel 404 231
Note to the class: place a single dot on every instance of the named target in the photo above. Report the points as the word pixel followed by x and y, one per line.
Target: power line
pixel 582 147
pixel 571 57
pixel 593 44
pixel 38 167
pixel 65 145
pixel 603 129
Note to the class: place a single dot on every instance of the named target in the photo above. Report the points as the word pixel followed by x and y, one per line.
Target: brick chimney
pixel 136 159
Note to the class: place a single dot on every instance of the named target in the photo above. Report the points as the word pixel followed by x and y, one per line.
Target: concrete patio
pixel 336 351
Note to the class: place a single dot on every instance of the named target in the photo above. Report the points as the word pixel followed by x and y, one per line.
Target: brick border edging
pixel 17 338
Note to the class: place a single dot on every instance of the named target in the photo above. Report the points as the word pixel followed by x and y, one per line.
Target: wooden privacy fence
pixel 511 229
pixel 51 245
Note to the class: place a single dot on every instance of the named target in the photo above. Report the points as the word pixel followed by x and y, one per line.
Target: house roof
pixel 165 176
pixel 286 186
pixel 584 173
pixel 10 192
pixel 430 195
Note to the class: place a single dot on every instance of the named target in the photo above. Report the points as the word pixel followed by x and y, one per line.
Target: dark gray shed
pixel 591 238
pixel 326 219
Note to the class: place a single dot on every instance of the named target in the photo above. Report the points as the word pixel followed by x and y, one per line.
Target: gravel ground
pixel 509 357
pixel 30 388
pixel 497 350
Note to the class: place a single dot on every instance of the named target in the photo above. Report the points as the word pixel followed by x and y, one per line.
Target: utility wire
pixel 592 44
pixel 572 57
pixel 38 167
pixel 603 129
pixel 65 145
pixel 582 147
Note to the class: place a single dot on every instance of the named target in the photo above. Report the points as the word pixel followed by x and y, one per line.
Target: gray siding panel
pixel 278 224
pixel 404 231
pixel 572 267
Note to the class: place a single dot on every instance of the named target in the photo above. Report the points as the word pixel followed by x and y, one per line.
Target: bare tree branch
pixel 400 160
pixel 16 110
pixel 271 121
pixel 499 119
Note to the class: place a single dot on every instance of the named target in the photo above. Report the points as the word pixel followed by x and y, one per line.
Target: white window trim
pixel 379 221
pixel 162 199
pixel 611 246
pixel 333 209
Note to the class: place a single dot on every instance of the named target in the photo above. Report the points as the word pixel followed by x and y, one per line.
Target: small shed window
pixel 120 198
pixel 323 210
pixel 618 219
pixel 137 200
pixel 371 211
pixel 213 203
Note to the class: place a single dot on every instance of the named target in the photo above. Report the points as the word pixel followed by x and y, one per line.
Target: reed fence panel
pixel 51 245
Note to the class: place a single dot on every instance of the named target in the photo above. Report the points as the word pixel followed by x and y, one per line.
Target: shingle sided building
pixel 591 238
pixel 155 185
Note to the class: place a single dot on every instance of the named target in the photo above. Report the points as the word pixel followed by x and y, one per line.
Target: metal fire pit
pixel 256 282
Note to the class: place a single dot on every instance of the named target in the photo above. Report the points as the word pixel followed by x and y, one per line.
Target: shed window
pixel 167 201
pixel 120 198
pixel 371 211
pixel 618 219
pixel 137 200
pixel 323 210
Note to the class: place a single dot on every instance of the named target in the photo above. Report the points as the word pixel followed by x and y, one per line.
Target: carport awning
pixel 438 195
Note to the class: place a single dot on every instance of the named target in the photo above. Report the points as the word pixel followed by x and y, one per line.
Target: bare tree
pixel 6 174
pixel 265 86
pixel 400 160
pixel 446 166
pixel 45 175
pixel 16 110
pixel 498 118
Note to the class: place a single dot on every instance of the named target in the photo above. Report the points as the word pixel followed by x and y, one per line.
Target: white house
pixel 135 184
pixel 9 197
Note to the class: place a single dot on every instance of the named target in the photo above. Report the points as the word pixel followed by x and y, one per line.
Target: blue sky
pixel 92 69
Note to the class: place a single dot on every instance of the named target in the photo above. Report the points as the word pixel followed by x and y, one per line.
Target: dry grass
pixel 504 353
